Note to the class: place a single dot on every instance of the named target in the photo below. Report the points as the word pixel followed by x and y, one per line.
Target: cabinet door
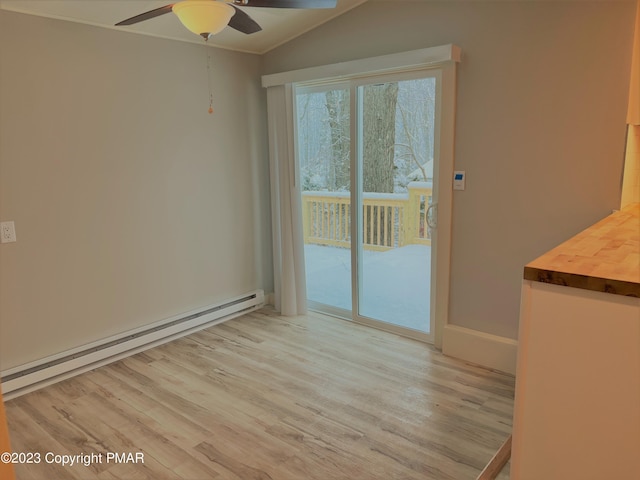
pixel 576 410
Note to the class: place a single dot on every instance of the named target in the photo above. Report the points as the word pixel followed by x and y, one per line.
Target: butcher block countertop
pixel 605 257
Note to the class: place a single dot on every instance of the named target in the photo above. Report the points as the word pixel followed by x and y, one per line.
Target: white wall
pixel 131 203
pixel 542 96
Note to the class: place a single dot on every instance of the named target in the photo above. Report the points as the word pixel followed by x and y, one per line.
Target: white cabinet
pixel 577 405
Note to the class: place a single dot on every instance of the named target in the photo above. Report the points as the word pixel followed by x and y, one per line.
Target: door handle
pixel 432 216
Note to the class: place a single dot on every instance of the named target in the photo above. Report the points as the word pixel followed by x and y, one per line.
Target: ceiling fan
pixel 208 17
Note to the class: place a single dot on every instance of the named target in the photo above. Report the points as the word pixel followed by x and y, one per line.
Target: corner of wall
pixel 631 175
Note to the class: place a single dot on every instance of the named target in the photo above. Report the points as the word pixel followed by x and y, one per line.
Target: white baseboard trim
pixel 32 376
pixel 490 351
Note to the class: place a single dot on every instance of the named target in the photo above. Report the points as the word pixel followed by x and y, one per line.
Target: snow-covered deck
pixel 396 283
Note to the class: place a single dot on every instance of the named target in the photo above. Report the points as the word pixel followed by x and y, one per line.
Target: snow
pixel 395 284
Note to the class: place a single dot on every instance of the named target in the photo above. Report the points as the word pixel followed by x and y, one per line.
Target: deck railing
pixel 390 220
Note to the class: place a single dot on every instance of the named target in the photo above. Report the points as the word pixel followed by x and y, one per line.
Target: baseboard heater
pixel 32 376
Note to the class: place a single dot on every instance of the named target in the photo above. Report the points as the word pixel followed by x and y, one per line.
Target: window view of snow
pixel 396 171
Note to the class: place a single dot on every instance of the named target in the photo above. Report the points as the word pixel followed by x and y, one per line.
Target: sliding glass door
pixel 324 160
pixel 366 158
pixel 396 164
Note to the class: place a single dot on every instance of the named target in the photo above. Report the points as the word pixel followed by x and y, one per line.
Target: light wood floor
pixel 270 397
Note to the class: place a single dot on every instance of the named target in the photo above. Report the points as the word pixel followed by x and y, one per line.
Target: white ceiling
pixel 279 25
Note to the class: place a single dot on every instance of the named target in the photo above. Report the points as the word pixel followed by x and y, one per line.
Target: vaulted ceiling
pixel 279 25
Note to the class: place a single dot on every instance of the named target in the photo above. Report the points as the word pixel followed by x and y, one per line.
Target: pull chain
pixel 209 68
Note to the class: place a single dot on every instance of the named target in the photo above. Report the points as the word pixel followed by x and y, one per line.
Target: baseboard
pixel 490 351
pixel 32 376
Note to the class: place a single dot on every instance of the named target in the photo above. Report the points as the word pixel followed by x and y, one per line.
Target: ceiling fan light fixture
pixel 204 17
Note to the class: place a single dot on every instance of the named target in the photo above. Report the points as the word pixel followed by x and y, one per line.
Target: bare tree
pixel 337 103
pixel 379 133
pixel 415 127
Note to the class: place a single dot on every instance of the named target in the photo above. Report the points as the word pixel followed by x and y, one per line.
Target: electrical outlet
pixel 7 232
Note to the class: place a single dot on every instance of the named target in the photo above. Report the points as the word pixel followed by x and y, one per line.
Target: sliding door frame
pixel 440 59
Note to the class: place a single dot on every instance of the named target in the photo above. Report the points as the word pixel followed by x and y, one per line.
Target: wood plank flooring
pixel 270 397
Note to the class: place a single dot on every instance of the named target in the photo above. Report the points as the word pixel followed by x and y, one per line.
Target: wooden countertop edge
pixel 585 282
pixel 602 258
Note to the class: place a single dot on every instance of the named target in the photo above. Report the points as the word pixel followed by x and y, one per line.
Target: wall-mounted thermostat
pixel 459 179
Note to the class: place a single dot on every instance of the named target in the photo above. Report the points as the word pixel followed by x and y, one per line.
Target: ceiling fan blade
pixel 243 22
pixel 146 16
pixel 287 3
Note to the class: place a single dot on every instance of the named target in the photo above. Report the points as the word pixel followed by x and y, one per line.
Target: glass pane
pixel 397 178
pixel 323 131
